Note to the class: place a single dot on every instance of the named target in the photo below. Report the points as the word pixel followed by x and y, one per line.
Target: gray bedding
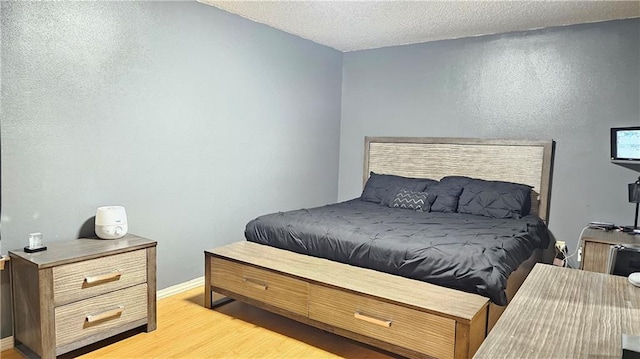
pixel 468 252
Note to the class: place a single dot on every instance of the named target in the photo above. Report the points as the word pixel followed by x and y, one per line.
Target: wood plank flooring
pixel 235 330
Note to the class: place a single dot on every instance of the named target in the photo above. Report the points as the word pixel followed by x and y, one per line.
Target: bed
pixel 388 306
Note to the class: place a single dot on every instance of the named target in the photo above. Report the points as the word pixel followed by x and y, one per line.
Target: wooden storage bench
pixel 400 315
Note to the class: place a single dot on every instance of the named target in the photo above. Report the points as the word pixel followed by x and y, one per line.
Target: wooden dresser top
pixel 71 251
pixel 610 237
pixel 566 313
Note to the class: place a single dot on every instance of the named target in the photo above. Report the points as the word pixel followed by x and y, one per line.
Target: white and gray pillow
pixel 414 200
pixel 380 186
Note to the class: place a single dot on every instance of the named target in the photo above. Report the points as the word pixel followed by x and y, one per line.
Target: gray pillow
pixel 447 193
pixel 495 199
pixel 378 186
pixel 446 198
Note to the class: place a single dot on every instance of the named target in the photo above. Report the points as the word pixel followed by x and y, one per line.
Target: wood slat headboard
pixel 520 161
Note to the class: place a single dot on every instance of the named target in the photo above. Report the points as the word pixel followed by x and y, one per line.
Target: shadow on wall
pixel 87 230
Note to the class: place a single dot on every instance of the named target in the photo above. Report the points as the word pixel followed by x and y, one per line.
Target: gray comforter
pixel 467 252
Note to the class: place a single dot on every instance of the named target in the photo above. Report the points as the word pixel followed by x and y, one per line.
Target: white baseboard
pixel 180 287
pixel 6 343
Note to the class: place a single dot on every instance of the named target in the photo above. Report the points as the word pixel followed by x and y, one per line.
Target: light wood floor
pixel 235 330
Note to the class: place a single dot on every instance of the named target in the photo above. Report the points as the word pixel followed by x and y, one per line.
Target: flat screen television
pixel 625 144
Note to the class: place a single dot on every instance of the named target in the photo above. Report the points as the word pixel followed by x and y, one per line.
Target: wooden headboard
pixel 520 161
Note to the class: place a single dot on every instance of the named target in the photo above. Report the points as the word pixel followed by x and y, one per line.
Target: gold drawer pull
pixel 107 277
pixel 255 283
pixel 382 322
pixel 109 314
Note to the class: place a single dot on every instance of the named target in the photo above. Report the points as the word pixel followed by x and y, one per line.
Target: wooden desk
pixel 565 313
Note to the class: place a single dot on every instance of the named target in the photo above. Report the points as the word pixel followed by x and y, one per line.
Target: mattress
pixel 467 252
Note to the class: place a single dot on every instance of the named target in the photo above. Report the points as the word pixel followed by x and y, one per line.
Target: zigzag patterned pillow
pixel 418 201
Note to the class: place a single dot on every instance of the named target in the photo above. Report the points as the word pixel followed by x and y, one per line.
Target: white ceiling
pixel 359 25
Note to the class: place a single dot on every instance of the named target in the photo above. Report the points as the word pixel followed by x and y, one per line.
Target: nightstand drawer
pixel 405 327
pixel 76 281
pixel 93 316
pixel 268 287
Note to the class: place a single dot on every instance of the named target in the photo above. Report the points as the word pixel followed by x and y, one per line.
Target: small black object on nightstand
pixel 33 250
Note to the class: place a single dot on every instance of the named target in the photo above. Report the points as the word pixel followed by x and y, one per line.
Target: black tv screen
pixel 625 143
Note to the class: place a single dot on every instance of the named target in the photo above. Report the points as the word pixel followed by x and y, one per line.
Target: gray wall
pixel 197 120
pixel 569 84
pixel 194 119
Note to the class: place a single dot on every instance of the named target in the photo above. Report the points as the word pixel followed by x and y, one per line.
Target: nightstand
pixel 596 246
pixel 82 291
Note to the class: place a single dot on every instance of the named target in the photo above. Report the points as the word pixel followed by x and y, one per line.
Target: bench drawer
pixel 266 286
pixel 394 324
pixel 81 280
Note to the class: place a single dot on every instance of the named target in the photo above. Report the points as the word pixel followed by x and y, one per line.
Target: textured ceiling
pixel 358 25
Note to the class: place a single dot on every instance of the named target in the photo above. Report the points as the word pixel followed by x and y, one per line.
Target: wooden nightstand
pixel 81 291
pixel 596 245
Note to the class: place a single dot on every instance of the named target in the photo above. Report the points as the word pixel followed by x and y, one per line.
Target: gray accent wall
pixel 570 84
pixel 194 119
